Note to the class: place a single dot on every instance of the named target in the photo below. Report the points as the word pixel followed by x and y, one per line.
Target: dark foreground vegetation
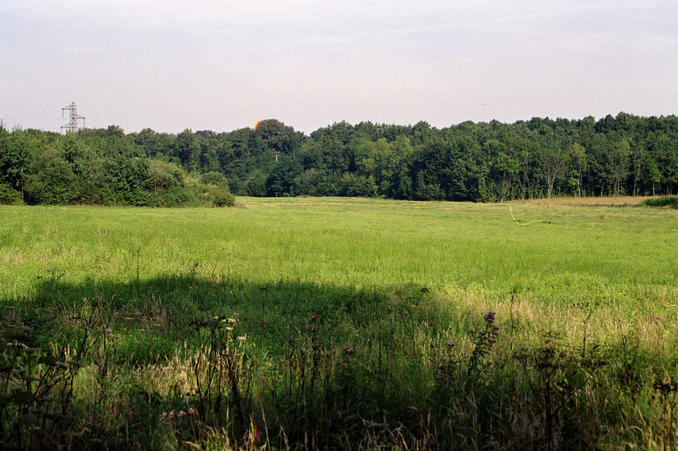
pixel 664 201
pixel 181 361
pixel 467 162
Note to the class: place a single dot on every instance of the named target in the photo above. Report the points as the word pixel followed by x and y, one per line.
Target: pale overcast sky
pixel 222 65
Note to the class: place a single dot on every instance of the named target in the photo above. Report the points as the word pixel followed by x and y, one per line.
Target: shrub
pixel 223 198
pixel 209 195
pixel 167 184
pixel 664 201
pixel 9 195
pixel 53 180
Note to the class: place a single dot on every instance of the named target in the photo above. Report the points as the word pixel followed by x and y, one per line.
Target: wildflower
pixel 314 319
pixel 348 350
pixel 192 411
pixel 108 331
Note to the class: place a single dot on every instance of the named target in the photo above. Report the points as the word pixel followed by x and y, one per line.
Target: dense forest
pixel 470 161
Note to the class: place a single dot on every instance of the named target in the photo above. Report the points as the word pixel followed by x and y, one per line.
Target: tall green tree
pixel 579 162
pixel 188 150
pixel 619 165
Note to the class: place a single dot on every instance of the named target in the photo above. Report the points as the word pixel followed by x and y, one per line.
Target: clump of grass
pixel 666 396
pixel 36 386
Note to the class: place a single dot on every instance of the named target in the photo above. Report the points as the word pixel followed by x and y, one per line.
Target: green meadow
pixel 295 323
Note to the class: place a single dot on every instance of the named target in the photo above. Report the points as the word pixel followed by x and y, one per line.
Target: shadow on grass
pixel 154 317
pixel 319 363
pixel 319 366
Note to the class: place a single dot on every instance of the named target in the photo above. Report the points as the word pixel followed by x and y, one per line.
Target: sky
pixel 222 65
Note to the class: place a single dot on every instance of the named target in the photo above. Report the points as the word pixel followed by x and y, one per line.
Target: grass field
pixel 341 323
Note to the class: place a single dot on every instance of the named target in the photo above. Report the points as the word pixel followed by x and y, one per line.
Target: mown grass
pixel 341 323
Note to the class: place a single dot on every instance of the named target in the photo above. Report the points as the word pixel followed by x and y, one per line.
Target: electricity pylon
pixel 72 125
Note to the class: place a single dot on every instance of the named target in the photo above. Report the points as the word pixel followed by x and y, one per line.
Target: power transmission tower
pixel 72 125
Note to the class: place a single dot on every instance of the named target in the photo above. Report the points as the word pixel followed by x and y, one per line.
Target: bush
pixel 9 195
pixel 223 199
pixel 216 187
pixel 167 185
pixel 52 181
pixel 665 201
pixel 209 195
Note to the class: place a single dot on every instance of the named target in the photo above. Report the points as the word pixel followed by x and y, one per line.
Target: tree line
pixel 100 166
pixel 493 161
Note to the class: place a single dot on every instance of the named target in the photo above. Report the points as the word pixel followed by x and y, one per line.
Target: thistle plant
pixel 483 340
